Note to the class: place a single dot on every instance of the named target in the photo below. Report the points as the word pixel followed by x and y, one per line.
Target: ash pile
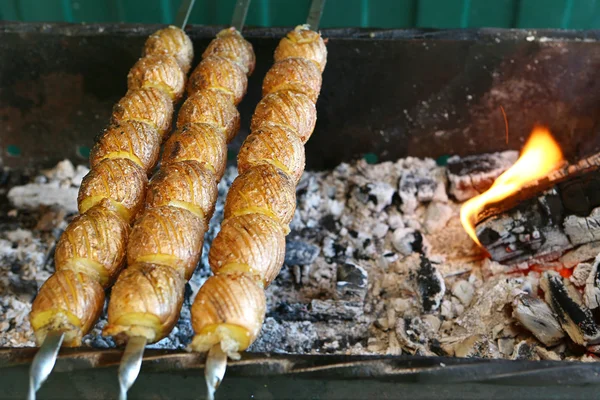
pixel 377 262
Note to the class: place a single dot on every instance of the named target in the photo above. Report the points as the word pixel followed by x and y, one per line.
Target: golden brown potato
pixel 160 71
pixel 145 301
pixel 289 109
pixel 211 107
pixel 134 140
pixel 94 243
pixel 118 179
pixel 170 236
pixel 148 105
pixel 186 184
pixel 199 142
pixel 230 44
pixel 174 42
pixel 68 302
pixel 221 74
pixel 275 145
pixel 303 43
pixel 229 309
pixel 264 189
pixel 252 244
pixel 295 74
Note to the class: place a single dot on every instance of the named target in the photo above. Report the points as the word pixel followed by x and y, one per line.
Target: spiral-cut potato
pixel 94 243
pixel 148 105
pixel 303 43
pixel 199 142
pixel 230 44
pixel 221 74
pixel 252 244
pixel 68 302
pixel 145 301
pixel 229 309
pixel 185 184
pixel 169 236
pixel 174 42
pixel 289 109
pixel 295 74
pixel 134 140
pixel 211 107
pixel 119 180
pixel 275 145
pixel 264 189
pixel 160 71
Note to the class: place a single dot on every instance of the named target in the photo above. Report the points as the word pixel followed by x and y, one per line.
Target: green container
pixel 567 14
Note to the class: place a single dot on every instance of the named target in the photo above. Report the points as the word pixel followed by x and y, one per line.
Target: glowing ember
pixel 540 156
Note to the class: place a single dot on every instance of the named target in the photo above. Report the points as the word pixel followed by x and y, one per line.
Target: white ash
pixel 354 280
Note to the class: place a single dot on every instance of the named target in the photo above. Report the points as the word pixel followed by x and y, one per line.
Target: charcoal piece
pixel 472 175
pixel 351 282
pixel 285 311
pixel 537 317
pixel 583 229
pixel 591 295
pixel 327 310
pixel 298 252
pixel 525 350
pixel 380 194
pixel 430 285
pixel 408 241
pixel 414 188
pixel 566 302
pixel 580 275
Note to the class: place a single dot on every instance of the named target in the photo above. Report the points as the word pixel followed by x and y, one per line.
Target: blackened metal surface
pixel 92 375
pixel 393 93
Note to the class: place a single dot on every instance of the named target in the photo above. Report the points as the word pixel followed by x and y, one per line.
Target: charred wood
pixel 545 219
pixel 566 302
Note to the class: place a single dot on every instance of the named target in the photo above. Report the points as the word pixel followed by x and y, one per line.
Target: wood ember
pixel 566 302
pixel 565 216
pixel 535 315
pixel 472 175
pixel 371 253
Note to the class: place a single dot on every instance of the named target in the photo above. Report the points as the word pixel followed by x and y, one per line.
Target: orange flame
pixel 540 156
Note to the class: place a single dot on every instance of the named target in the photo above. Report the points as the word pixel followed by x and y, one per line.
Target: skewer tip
pixel 214 370
pixel 44 361
pixel 131 363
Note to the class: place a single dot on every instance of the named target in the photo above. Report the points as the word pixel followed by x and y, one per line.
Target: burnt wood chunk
pixel 546 218
pixel 566 302
pixel 472 175
pixel 430 285
pixel 537 317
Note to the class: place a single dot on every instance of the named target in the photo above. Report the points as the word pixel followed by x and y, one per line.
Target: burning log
pixel 563 213
pixel 538 209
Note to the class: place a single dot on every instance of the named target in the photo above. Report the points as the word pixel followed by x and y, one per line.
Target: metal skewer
pixel 43 362
pixel 131 363
pixel 183 14
pixel 216 360
pixel 314 14
pixel 239 14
